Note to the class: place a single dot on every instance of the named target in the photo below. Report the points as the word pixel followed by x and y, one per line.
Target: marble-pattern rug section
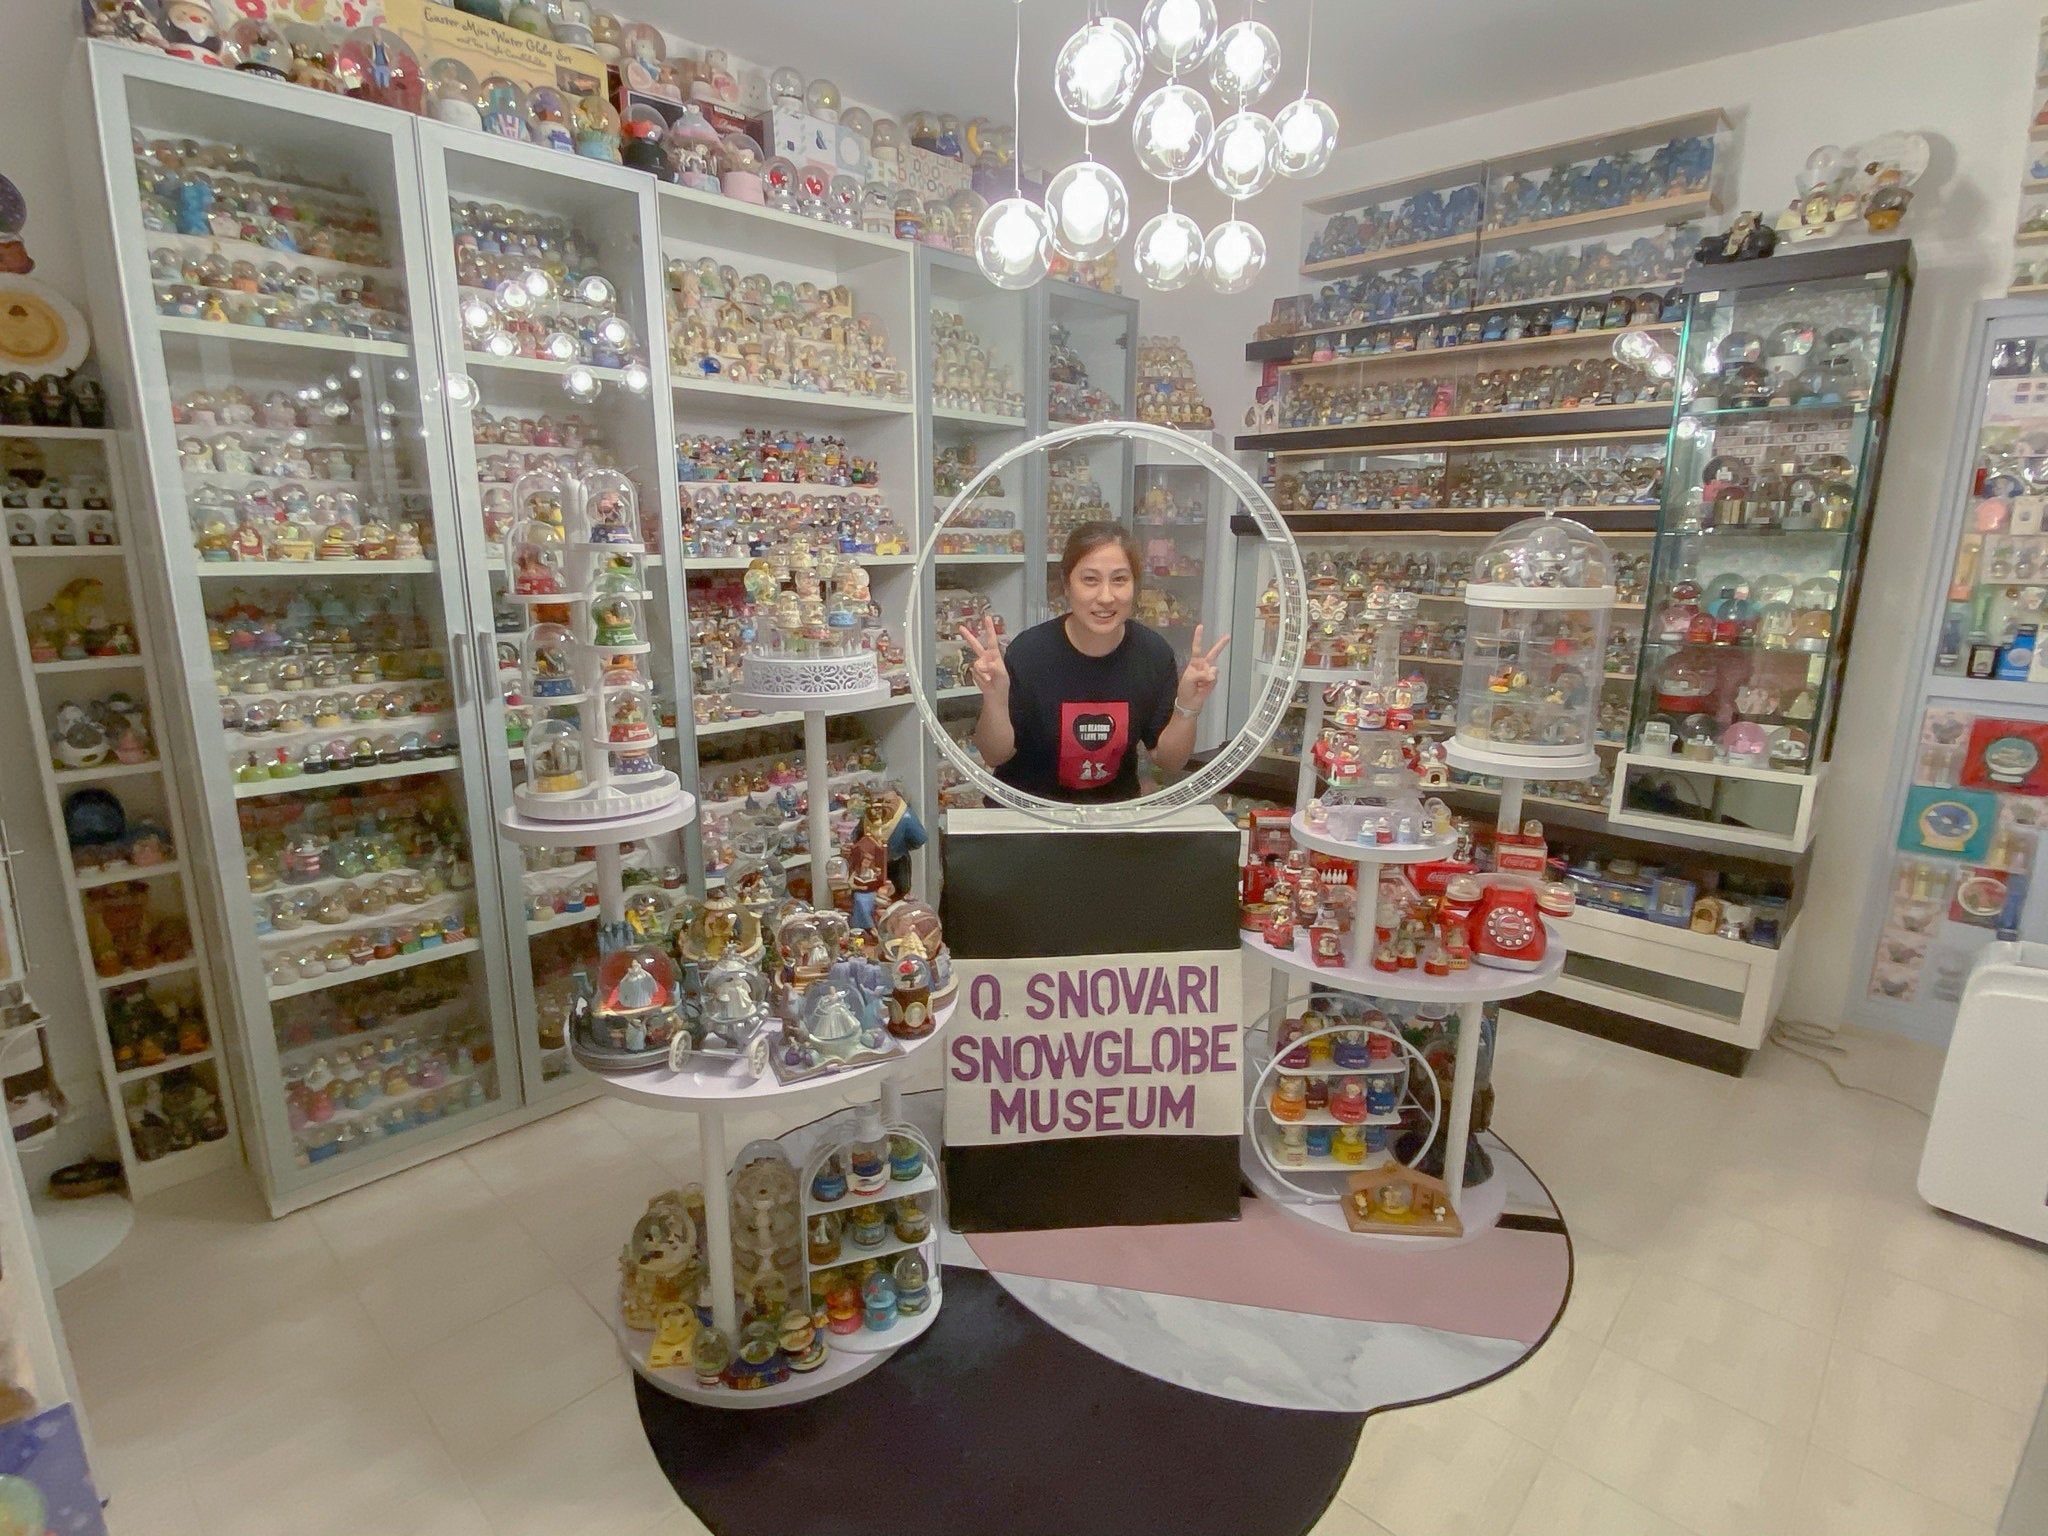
pixel 1268 1356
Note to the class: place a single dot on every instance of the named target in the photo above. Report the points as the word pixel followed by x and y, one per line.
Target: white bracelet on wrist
pixel 1182 709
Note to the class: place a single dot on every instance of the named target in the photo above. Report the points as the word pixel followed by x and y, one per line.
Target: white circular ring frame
pixel 1274 688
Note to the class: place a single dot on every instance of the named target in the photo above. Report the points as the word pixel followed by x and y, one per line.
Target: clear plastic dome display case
pixel 1785 372
pixel 1537 608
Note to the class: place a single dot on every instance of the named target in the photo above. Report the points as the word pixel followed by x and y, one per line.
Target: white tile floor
pixel 1769 1335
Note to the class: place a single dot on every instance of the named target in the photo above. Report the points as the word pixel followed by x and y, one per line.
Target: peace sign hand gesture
pixel 1198 680
pixel 987 671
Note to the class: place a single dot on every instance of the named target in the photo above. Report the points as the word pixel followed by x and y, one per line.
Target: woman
pixel 1062 711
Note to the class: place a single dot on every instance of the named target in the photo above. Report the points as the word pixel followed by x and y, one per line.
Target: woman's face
pixel 1102 589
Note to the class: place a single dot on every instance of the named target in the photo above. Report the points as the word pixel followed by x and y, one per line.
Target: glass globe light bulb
pixel 1168 253
pixel 1171 132
pixel 1308 137
pixel 1096 74
pixel 596 291
pixel 1177 34
pixel 500 343
pixel 1089 210
pixel 538 283
pixel 461 390
pixel 636 378
pixel 580 382
pixel 1011 243
pixel 478 317
pixel 1235 254
pixel 1242 156
pixel 1247 59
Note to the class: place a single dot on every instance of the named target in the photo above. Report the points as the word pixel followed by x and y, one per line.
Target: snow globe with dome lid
pixel 1537 606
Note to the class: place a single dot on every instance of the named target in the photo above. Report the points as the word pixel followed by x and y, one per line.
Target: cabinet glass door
pixel 546 305
pixel 1772 468
pixel 1998 582
pixel 274 263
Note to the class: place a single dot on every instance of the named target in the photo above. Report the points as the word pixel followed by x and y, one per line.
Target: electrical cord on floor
pixel 1817 1043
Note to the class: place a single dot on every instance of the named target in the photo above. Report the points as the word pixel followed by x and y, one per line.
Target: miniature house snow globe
pixel 554 759
pixel 1536 634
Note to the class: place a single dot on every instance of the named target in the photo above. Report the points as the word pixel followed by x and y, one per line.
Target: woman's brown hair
pixel 1090 537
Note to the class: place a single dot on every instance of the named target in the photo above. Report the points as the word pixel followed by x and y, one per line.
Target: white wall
pixel 1964 76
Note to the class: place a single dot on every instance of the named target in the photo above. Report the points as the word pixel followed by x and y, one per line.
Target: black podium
pixel 1093 1068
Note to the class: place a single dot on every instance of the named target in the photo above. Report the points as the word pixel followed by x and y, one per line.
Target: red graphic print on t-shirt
pixel 1093 736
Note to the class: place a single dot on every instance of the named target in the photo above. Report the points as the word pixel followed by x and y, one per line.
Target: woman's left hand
pixel 1198 681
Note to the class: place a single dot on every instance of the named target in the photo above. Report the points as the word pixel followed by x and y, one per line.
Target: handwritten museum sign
pixel 1095 1045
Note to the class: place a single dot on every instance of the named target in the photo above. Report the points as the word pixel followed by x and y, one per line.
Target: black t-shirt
pixel 1076 717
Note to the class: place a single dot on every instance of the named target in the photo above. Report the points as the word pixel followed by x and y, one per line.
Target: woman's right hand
pixel 987 671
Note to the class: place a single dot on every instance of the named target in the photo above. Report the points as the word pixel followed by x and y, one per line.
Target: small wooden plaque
pixel 1429 1212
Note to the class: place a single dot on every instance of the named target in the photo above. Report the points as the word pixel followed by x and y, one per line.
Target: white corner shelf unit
pixel 31 576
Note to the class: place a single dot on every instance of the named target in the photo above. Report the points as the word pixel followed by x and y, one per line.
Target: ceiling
pixel 1385 66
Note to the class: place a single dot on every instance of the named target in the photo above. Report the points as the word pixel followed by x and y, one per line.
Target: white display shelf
pixel 61 434
pixel 741 562
pixel 147 973
pixel 561 920
pixel 157 1069
pixel 727 1085
pixel 827 405
pixel 67 551
pixel 299 783
pixel 964 691
pixel 124 873
pixel 879 1344
pixel 390 917
pixel 791 487
pixel 1477 984
pixel 88 664
pixel 1397 1064
pixel 991 420
pixel 1372 853
pixel 841 1367
pixel 106 771
pixel 794 861
pixel 263 255
pixel 545 367
pixel 237 482
pixel 725 222
pixel 599 832
pixel 925 1182
pixel 221 330
pixel 851 1253
pixel 245 741
pixel 1306 674
pixel 986 559
pixel 848 703
pixel 247 570
pixel 1469 758
pixel 1321 1116
pixel 375 968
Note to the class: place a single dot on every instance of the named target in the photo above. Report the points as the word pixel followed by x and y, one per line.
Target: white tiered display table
pixel 1467 991
pixel 711 1092
pixel 817 708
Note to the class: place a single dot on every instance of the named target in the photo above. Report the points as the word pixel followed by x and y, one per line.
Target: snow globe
pixel 535 555
pixel 740 164
pixel 1537 609
pixel 554 759
pixel 548 665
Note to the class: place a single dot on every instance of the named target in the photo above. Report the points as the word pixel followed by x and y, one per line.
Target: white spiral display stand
pixel 817 709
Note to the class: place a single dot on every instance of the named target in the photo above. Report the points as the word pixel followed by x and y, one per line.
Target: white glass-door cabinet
pixel 548 311
pixel 266 259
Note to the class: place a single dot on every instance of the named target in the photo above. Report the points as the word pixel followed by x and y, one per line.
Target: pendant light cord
pixel 1308 52
pixel 1017 107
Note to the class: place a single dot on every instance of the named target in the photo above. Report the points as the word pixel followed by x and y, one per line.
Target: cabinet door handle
pixel 463 692
pixel 487 664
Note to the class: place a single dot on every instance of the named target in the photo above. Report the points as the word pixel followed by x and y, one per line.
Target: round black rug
pixel 995 1424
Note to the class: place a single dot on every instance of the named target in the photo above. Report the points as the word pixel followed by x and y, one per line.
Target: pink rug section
pixel 1505 1285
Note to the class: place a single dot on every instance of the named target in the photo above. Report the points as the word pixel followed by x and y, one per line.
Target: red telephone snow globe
pixel 1507 929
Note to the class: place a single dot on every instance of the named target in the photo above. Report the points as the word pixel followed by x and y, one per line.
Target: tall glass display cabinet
pixel 974 342
pixel 1786 369
pixel 270 272
pixel 1968 797
pixel 544 297
pixel 1086 354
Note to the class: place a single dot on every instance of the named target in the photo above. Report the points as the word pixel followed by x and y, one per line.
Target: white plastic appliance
pixel 1987 1142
